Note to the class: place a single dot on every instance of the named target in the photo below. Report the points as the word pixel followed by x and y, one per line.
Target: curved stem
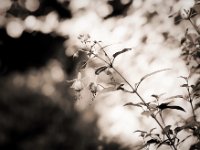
pixel 190 100
pixel 140 97
pixel 152 115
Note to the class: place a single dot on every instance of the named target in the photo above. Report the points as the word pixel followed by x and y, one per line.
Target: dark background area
pixel 28 119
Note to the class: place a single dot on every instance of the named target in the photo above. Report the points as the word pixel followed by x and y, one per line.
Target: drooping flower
pixel 77 83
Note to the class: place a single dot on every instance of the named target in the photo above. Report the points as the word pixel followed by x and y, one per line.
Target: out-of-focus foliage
pixel 37 106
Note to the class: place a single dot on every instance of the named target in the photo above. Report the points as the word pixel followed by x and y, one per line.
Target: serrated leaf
pixel 132 104
pixel 99 70
pixel 120 52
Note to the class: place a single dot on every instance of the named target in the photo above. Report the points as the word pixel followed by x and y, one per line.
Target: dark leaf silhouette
pixel 120 52
pixel 155 96
pixel 178 129
pixel 197 105
pixel 195 146
pixel 184 85
pixel 99 70
pixel 120 87
pixel 153 141
pixel 165 106
pixel 167 129
pixel 132 104
pixel 142 133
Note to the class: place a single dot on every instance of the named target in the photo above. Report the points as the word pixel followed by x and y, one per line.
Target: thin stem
pixel 190 100
pixel 140 97
pixel 161 116
pixel 102 48
pixel 195 27
pixel 152 115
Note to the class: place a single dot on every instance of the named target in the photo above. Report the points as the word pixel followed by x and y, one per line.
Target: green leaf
pixel 99 70
pixel 120 52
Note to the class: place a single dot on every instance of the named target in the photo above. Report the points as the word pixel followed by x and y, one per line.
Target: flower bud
pixel 77 85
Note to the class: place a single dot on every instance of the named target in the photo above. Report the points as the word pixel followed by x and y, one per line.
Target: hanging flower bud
pixel 78 84
pixel 93 88
pixel 76 54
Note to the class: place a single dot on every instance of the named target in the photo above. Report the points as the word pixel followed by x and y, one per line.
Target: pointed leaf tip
pixel 120 52
pixel 132 104
pixel 99 70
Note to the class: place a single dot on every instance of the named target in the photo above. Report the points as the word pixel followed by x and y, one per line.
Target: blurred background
pixel 38 38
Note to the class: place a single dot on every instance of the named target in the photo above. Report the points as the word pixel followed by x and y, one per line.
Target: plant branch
pixel 194 26
pixel 140 97
pixel 133 90
pixel 190 100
